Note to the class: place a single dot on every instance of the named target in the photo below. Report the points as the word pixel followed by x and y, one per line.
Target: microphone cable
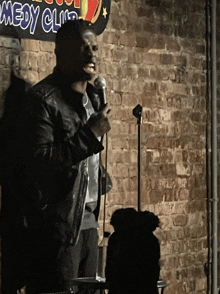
pixel 105 196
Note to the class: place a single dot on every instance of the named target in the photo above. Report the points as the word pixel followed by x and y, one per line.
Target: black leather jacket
pixel 51 141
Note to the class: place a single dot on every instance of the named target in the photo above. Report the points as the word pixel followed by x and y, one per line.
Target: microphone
pixel 100 84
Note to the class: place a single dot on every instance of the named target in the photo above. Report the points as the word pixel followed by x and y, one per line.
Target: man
pixel 51 180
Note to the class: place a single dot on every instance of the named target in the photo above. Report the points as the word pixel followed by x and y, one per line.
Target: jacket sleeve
pixel 39 130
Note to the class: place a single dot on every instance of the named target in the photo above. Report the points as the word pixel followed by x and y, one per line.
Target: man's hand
pixel 102 124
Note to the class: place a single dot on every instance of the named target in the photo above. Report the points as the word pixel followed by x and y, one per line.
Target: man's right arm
pixel 37 128
pixel 101 125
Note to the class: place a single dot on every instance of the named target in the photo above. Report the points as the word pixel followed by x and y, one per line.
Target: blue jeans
pixel 79 260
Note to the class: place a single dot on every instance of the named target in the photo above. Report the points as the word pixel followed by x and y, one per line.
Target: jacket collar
pixel 64 83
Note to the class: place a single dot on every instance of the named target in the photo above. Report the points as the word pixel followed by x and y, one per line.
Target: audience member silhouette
pixel 133 253
pixel 11 229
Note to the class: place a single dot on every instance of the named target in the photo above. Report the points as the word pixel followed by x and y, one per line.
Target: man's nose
pixel 92 55
pixel 91 52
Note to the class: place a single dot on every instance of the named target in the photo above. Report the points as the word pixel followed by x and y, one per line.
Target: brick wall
pixel 32 60
pixel 152 53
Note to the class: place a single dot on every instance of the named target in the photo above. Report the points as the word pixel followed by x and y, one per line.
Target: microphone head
pixel 100 83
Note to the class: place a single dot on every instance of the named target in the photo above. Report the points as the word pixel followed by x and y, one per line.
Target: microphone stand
pixel 137 112
pixel 104 243
pixel 100 85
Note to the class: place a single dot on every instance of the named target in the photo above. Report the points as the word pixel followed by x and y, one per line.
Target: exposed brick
pixel 142 42
pixel 120 169
pixel 115 199
pixel 30 76
pixel 130 99
pixel 153 143
pixel 180 235
pixel 151 58
pixel 165 115
pixel 149 100
pixel 168 170
pixel 111 38
pixel 197 194
pixel 142 11
pixel 47 46
pixel 143 72
pixel 29 61
pixel 5 78
pixel 201 284
pixel 132 143
pixel 179 208
pixel 30 45
pixel 148 128
pixel 200 48
pixel 119 23
pixel 112 68
pixel 180 220
pixel 169 195
pixel 165 88
pixel 129 9
pixel 119 55
pixel 127 39
pixel 5 57
pixel 166 58
pixel 182 274
pixel 9 42
pixel 120 143
pixel 105 53
pixel 135 57
pixel 137 27
pixel 172 45
pixel 46 61
pixel 119 128
pixel 150 87
pixel 180 60
pixel 177 287
pixel 189 286
pixel 196 117
pixel 157 42
pixel 184 194
pixel 115 99
pixel 172 262
pixel 179 116
pixel 122 114
pixel 159 74
pixel 128 70
pixel 167 29
pixel 156 196
pixel 153 170
pixel 183 169
pixel 198 169
pixel 181 89
pixel 195 206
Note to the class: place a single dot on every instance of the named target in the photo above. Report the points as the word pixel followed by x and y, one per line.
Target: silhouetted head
pixel 123 219
pixel 147 221
pixel 75 49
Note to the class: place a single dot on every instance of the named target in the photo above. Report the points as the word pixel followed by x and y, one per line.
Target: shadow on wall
pixel 12 86
pixel 133 253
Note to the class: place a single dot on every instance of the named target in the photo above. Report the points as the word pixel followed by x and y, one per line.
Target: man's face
pixel 78 59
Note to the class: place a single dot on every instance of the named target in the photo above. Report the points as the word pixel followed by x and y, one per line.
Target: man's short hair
pixel 72 29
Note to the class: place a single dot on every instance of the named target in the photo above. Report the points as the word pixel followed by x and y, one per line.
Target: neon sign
pixel 40 19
